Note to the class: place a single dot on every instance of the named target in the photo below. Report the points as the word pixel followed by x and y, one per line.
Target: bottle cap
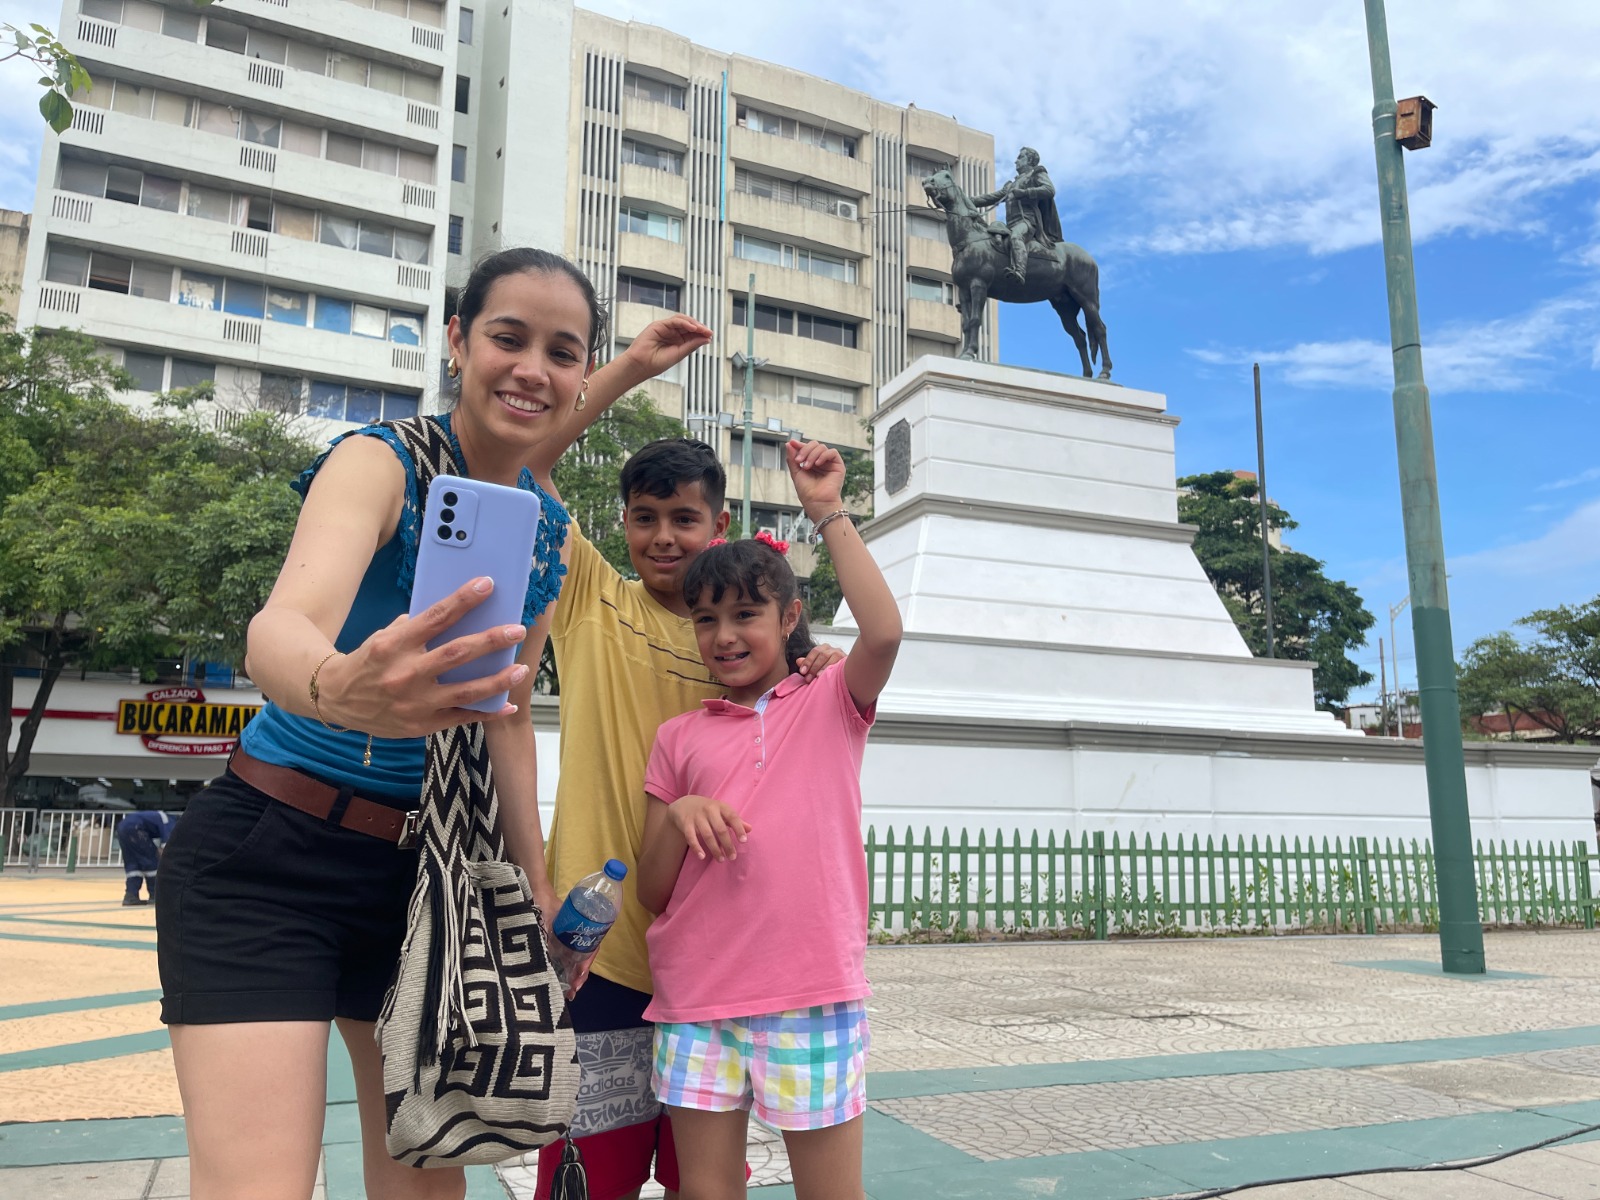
pixel 616 869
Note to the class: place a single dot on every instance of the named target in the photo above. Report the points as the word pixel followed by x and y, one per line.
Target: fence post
pixel 1100 925
pixel 1369 910
pixel 1584 888
pixel 72 847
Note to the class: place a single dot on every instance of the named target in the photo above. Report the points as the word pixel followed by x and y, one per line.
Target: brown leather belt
pixel 317 799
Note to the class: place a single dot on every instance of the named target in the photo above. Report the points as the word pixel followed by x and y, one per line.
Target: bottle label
pixel 577 932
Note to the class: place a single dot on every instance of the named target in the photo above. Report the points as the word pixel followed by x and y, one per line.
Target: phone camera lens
pixel 461 535
pixel 451 498
pixel 448 515
pixel 444 532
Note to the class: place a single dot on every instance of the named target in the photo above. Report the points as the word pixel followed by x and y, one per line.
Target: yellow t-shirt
pixel 626 665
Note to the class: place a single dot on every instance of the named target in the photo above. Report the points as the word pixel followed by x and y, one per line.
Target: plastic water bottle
pixel 589 910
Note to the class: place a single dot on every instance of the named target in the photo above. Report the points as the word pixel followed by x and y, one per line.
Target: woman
pixel 284 891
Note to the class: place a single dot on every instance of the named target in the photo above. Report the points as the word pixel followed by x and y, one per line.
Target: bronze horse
pixel 1067 277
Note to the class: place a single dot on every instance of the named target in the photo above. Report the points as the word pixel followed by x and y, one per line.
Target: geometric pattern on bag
pixel 479 1056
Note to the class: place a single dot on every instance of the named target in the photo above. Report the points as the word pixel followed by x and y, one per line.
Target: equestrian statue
pixel 1023 261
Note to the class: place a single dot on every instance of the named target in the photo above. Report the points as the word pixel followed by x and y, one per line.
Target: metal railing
pixel 31 837
pixel 1094 888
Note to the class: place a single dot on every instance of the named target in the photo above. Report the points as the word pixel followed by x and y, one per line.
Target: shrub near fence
pixel 927 890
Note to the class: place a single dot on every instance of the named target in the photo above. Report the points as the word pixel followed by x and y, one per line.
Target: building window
pixel 642 87
pixel 188 373
pixel 780 255
pixel 933 228
pixel 807 325
pixel 650 224
pixel 281 393
pixel 463 93
pixel 825 395
pixel 332 314
pixel 656 158
pixel 109 272
pixel 787 127
pixel 151 281
pixel 458 164
pixel 286 306
pixel 923 167
pixel 464 30
pixel 634 290
pixel 764 454
pixel 361 405
pixel 787 191
pixel 455 235
pixel 149 371
pixel 922 287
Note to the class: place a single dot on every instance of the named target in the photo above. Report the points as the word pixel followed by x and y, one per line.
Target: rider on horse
pixel 1031 218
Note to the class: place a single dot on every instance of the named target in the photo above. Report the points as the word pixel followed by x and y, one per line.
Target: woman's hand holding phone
pixel 388 686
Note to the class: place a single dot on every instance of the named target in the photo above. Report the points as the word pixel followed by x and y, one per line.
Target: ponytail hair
pixel 758 571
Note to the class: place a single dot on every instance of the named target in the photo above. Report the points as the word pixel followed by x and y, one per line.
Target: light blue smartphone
pixel 471 528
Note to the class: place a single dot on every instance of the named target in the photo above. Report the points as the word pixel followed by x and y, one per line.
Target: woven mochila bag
pixel 479 1055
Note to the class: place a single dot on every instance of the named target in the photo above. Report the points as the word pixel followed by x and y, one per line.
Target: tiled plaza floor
pixel 1116 1071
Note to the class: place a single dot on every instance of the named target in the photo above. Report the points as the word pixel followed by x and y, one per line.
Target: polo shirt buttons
pixel 758 739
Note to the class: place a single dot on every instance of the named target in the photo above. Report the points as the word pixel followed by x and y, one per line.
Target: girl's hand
pixel 389 685
pixel 709 826
pixel 818 474
pixel 664 344
pixel 819 660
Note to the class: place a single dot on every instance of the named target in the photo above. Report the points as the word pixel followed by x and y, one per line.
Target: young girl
pixel 753 860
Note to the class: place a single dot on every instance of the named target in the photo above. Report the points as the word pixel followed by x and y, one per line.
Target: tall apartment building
pixel 280 195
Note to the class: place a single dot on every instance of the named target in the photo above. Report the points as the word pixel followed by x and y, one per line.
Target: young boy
pixel 628 661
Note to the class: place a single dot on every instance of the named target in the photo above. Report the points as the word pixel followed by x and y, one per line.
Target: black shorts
pixel 268 914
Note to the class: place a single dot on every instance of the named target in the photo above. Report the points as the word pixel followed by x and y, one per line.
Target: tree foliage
pixel 124 536
pixel 1551 678
pixel 1314 618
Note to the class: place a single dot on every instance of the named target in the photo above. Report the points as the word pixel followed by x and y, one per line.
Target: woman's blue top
pixel 289 740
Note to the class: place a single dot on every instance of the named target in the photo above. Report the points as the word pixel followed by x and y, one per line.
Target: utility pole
pixel 1383 693
pixel 1394 650
pixel 749 362
pixel 1460 928
pixel 1261 493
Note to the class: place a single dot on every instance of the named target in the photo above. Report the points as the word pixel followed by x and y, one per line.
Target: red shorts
pixel 617 1162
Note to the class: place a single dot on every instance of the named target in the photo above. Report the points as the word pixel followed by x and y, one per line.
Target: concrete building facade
pixel 13 257
pixel 280 195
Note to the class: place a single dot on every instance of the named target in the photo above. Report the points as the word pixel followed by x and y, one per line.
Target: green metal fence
pixel 1096 888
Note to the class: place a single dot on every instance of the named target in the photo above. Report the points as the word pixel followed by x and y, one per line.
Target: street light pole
pixel 1460 930
pixel 1394 650
pixel 749 399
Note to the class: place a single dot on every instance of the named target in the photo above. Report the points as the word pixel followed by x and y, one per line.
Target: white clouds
pixel 19 108
pixel 1592 475
pixel 1570 547
pixel 1201 125
pixel 1509 354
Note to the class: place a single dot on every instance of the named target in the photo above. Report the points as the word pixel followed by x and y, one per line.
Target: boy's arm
pixel 818 473
pixel 660 858
pixel 662 344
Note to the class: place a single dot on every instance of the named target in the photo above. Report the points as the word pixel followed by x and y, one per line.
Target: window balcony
pixel 211 157
pixel 661 188
pixel 818 293
pixel 798 223
pixel 791 157
pixel 928 257
pixel 661 121
pixel 822 359
pixel 651 255
pixel 211 335
pixel 932 318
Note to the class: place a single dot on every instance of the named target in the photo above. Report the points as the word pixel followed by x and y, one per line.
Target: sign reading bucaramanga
pixel 179 720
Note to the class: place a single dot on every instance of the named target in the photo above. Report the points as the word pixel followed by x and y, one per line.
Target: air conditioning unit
pixel 849 209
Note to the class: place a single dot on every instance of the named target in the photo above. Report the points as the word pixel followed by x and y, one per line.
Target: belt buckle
pixel 409 828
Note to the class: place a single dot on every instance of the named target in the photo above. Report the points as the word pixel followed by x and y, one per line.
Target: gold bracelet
pixel 311 689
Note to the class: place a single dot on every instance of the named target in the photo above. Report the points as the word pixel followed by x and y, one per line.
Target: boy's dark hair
pixel 757 572
pixel 663 466
pixel 493 267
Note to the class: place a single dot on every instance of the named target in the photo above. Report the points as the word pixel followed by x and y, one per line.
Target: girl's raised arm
pixel 818 474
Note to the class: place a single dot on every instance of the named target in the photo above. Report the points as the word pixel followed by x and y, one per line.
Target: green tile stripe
pixel 90 1051
pixel 102 943
pixel 45 1008
pixel 895 1085
pixel 118 925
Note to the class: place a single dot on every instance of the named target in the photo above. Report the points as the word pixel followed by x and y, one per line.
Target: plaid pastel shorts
pixel 801 1069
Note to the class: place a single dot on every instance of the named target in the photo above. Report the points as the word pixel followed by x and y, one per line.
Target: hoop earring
pixel 583 399
pixel 454 368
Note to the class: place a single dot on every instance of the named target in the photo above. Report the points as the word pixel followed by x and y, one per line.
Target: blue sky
pixel 1216 157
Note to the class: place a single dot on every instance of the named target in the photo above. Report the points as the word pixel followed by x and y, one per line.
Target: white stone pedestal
pixel 1028 525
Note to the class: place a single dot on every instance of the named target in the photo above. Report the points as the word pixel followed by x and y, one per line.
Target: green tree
pixel 1552 679
pixel 123 536
pixel 1314 618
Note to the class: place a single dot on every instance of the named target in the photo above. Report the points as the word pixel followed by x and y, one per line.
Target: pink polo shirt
pixel 784 925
